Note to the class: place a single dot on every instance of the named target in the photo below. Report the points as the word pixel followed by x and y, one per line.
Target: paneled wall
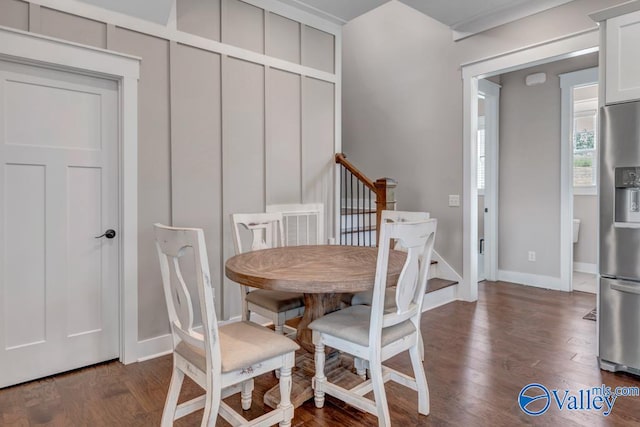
pixel 217 133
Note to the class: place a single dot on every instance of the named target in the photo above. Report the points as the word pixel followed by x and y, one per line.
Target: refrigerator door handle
pixel 626 288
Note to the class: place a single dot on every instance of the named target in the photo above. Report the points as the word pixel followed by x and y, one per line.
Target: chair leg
pixel 285 395
pixel 421 378
pixel 245 394
pixel 421 346
pixel 375 371
pixel 279 328
pixel 246 314
pixel 169 412
pixel 319 379
pixel 211 406
pixel 361 368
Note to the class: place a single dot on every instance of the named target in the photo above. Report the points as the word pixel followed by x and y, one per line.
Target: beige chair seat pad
pixel 366 298
pixel 352 324
pixel 242 344
pixel 276 301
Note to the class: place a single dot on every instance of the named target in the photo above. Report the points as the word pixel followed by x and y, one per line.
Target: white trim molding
pixel 500 16
pixel 445 271
pixel 535 280
pixel 23 47
pixel 614 11
pixel 155 347
pixel 585 267
pixel 565 47
pixel 173 34
pixel 163 344
pixel 439 298
pixel 491 191
pixel 567 82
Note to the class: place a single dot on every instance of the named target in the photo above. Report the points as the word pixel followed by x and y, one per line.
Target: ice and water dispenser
pixel 627 197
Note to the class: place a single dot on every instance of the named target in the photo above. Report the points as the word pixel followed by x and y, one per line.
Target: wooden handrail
pixel 380 188
pixel 341 159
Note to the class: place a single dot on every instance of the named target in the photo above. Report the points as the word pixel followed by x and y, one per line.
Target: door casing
pixel 46 52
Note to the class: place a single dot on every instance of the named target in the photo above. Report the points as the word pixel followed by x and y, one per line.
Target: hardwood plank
pixel 478 357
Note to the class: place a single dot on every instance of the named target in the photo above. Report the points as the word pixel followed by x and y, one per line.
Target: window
pixel 481 154
pixel 584 138
pixel 579 129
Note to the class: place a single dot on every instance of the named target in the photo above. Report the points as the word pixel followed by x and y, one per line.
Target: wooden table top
pixel 312 269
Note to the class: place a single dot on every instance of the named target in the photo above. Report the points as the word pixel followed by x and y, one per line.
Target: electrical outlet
pixel 532 256
pixel 454 200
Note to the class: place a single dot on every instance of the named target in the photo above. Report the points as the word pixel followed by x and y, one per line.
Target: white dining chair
pixel 390 216
pixel 303 223
pixel 364 298
pixel 265 231
pixel 223 360
pixel 372 334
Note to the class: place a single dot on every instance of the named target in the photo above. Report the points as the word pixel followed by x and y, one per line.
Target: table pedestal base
pixel 338 369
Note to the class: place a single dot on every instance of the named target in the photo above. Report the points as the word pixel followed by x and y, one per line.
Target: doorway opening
pixel 488 136
pixel 576 45
pixel 579 91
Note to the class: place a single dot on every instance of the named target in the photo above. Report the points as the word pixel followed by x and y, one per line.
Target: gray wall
pixel 529 187
pixel 216 134
pixel 585 208
pixel 402 99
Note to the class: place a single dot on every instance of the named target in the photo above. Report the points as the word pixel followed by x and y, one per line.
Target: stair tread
pixel 433 285
pixel 437 283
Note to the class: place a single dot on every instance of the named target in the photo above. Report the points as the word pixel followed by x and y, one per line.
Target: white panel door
pixel 58 190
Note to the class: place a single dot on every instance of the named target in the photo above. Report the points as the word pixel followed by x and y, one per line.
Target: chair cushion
pixel 276 301
pixel 352 324
pixel 242 344
pixel 366 298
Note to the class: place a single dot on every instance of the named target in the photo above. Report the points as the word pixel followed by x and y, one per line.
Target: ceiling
pixel 464 17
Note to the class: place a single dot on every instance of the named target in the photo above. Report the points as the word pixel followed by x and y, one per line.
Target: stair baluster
pixel 357 224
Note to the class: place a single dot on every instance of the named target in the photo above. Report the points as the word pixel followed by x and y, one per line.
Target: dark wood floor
pixel 478 358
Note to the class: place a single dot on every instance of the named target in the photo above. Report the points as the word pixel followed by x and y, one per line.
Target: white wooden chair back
pixel 173 244
pixel 417 238
pixel 266 231
pixel 403 216
pixel 303 223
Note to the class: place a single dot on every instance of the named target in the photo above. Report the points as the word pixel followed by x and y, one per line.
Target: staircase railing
pixel 361 202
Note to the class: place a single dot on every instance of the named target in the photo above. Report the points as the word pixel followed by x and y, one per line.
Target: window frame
pixel 593 188
pixel 482 128
pixel 568 82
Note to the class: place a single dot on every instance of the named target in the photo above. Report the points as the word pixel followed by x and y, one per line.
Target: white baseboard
pixel 445 271
pixel 439 297
pixel 162 345
pixel 585 267
pixel 154 347
pixel 535 280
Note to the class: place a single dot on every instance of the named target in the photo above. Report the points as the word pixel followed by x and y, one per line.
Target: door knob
pixel 109 234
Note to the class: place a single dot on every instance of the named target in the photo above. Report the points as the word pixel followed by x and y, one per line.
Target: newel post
pixel 385 200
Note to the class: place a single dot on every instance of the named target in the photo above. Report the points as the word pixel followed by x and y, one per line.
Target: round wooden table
pixel 320 272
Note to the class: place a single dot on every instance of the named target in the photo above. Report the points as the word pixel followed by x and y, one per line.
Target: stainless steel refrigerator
pixel 619 263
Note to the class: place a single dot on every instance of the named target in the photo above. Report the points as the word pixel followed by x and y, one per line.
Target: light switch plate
pixel 454 200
